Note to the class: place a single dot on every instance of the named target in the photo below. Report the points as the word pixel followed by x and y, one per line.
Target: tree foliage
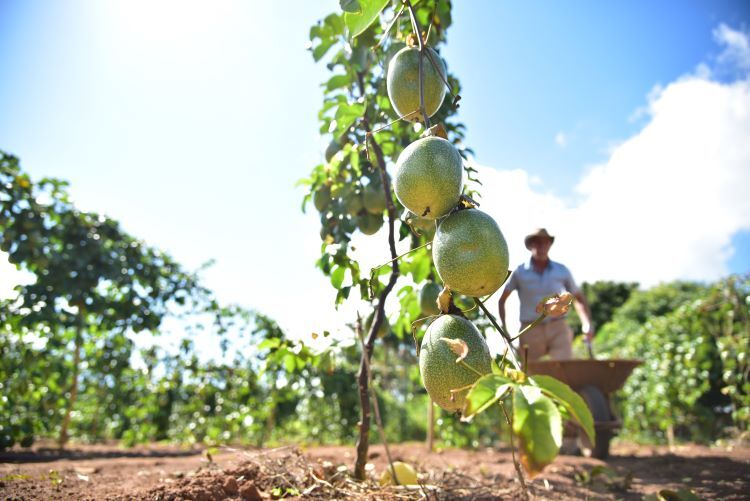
pixel 694 341
pixel 604 298
pixel 273 389
pixel 84 265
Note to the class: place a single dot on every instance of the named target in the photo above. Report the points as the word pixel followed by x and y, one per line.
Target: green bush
pixel 694 342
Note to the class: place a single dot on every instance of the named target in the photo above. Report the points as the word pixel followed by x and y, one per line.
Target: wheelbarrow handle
pixel 589 346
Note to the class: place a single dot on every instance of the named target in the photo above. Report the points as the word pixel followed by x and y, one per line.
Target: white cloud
pixel 561 139
pixel 663 206
pixel 666 203
pixel 737 46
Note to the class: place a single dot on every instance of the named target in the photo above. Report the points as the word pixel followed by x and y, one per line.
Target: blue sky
pixel 190 122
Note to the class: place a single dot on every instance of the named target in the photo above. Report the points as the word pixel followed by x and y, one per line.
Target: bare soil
pixel 158 472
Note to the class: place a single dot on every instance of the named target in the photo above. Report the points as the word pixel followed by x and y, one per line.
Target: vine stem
pixel 422 51
pixel 516 359
pixel 530 326
pixel 362 377
pixel 509 419
pixel 375 405
pixel 399 257
pixel 472 369
pixel 390 25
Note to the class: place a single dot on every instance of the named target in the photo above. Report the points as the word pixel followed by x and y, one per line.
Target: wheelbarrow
pixel 595 381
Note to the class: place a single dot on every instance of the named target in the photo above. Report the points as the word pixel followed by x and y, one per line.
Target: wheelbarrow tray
pixel 607 375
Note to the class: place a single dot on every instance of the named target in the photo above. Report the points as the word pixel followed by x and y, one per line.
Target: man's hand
pixel 588 331
pixel 584 313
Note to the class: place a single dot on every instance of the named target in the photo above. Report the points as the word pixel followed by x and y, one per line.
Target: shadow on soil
pixel 44 455
pixel 719 475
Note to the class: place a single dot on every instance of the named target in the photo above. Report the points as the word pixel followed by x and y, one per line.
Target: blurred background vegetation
pixel 694 339
pixel 69 365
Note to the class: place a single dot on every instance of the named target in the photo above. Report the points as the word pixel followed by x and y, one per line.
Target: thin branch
pixel 530 326
pixel 384 36
pixel 509 419
pixel 422 51
pixel 373 270
pixel 388 125
pixel 363 383
pixel 375 405
pixel 444 78
pixel 472 369
pixel 508 340
pixel 415 325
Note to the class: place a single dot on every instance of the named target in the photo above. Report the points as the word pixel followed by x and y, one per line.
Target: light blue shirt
pixel 532 287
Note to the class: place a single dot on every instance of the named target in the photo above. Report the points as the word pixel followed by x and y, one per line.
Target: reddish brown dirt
pixel 169 473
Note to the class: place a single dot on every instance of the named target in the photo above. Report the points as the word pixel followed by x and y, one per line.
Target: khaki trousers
pixel 553 338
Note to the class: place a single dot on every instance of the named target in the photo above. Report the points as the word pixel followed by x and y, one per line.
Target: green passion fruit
pixel 428 295
pixel 373 198
pixel 437 362
pixel 419 225
pixel 470 253
pixel 402 81
pixel 429 176
pixel 322 197
pixel 369 224
pixel 353 203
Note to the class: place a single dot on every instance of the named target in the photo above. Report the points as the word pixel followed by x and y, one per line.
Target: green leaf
pixel 337 276
pixel 354 159
pixel 335 24
pixel 351 6
pixel 320 50
pixel 290 363
pixel 496 368
pixel 538 425
pixel 485 392
pixel 337 81
pixel 358 23
pixel 384 270
pixel 346 115
pixel 572 401
pixel 269 343
pixel 421 270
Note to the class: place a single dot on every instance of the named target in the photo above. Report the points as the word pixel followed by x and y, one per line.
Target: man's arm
pixel 501 305
pixel 582 308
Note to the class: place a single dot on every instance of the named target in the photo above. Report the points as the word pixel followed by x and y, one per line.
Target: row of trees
pixel 69 366
pixel 277 389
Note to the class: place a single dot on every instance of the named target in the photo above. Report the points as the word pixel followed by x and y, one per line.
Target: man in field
pixel 535 280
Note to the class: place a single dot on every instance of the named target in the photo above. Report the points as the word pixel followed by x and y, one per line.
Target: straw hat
pixel 538 233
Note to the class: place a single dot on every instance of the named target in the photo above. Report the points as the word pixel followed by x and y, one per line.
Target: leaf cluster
pixel 530 404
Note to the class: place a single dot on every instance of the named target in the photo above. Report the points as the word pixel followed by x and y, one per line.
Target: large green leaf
pixel 538 426
pixel 346 115
pixel 487 390
pixel 572 401
pixel 359 22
